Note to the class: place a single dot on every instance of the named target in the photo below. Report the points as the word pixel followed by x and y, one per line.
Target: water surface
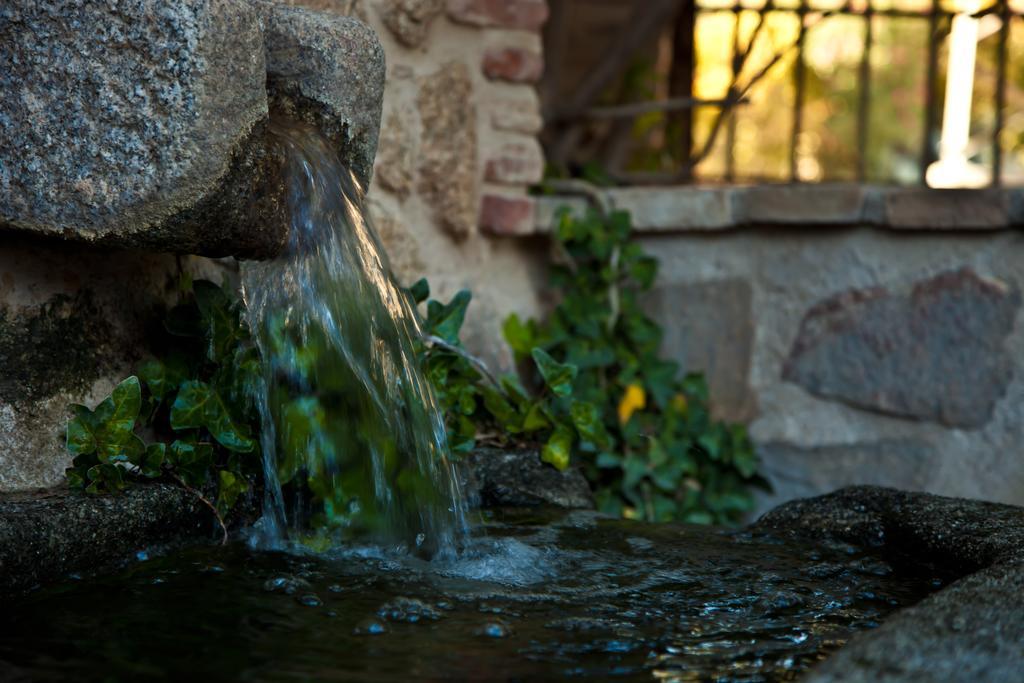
pixel 536 597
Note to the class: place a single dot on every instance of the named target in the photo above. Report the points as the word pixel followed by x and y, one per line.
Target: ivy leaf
pixel 81 436
pixel 634 469
pixel 75 477
pixel 520 336
pixel 105 478
pixel 445 321
pixel 198 405
pixel 154 374
pixel 535 418
pixel 192 460
pixel 587 420
pixel 107 431
pixel 558 376
pixel 230 487
pixel 606 460
pixel 420 291
pixel 499 407
pixel 219 320
pixel 711 444
pixel 153 460
pixel 556 451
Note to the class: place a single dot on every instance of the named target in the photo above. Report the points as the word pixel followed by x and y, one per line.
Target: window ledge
pixel 709 209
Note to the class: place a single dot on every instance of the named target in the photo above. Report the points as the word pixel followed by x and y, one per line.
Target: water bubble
pixel 494 629
pixel 310 600
pixel 410 610
pixel 370 627
pixel 289 585
pixel 335 588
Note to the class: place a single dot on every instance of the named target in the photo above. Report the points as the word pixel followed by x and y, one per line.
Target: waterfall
pixel 353 442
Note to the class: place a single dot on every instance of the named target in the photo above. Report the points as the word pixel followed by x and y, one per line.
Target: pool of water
pixel 535 596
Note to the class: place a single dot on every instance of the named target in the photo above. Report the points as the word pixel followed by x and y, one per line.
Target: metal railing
pixel 651 16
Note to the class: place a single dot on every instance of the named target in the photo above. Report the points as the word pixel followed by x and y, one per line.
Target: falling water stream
pixel 394 586
pixel 352 439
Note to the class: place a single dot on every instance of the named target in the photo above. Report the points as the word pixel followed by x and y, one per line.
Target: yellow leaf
pixel 633 400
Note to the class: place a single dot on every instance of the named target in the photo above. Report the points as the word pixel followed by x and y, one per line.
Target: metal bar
pixel 730 131
pixel 681 78
pixel 997 149
pixel 927 148
pixel 632 109
pixel 864 97
pixel 799 78
pixel 879 11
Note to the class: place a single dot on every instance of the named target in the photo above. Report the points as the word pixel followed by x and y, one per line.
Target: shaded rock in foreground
pixel 973 630
pixel 493 477
pixel 46 535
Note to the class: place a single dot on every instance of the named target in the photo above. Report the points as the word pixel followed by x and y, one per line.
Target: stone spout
pixel 143 123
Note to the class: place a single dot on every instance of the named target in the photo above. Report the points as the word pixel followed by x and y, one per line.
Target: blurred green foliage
pixel 598 391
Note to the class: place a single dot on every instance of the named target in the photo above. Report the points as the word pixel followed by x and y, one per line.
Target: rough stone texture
pixel 513 64
pixel 448 169
pixel 516 163
pixel 684 208
pixel 396 156
pixel 518 14
pixel 144 114
pixel 519 113
pixel 799 472
pixel 934 353
pixel 409 20
pixel 46 535
pixel 795 205
pixel 973 629
pixel 507 214
pixel 152 133
pixel 712 331
pixel 402 249
pixel 327 70
pixel 946 209
pixel 493 477
pixel 346 8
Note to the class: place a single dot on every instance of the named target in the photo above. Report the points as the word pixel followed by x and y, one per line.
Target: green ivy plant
pixel 481 408
pixel 600 395
pixel 195 405
pixel 592 389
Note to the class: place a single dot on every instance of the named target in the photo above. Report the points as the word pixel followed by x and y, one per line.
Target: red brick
pixel 521 14
pixel 516 164
pixel 508 214
pixel 513 64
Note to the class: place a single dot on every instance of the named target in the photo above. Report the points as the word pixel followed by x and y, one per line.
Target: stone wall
pixel 458 150
pixel 867 335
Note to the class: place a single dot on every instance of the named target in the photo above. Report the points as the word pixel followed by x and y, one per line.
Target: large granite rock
pixel 972 630
pixel 143 124
pixel 935 352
